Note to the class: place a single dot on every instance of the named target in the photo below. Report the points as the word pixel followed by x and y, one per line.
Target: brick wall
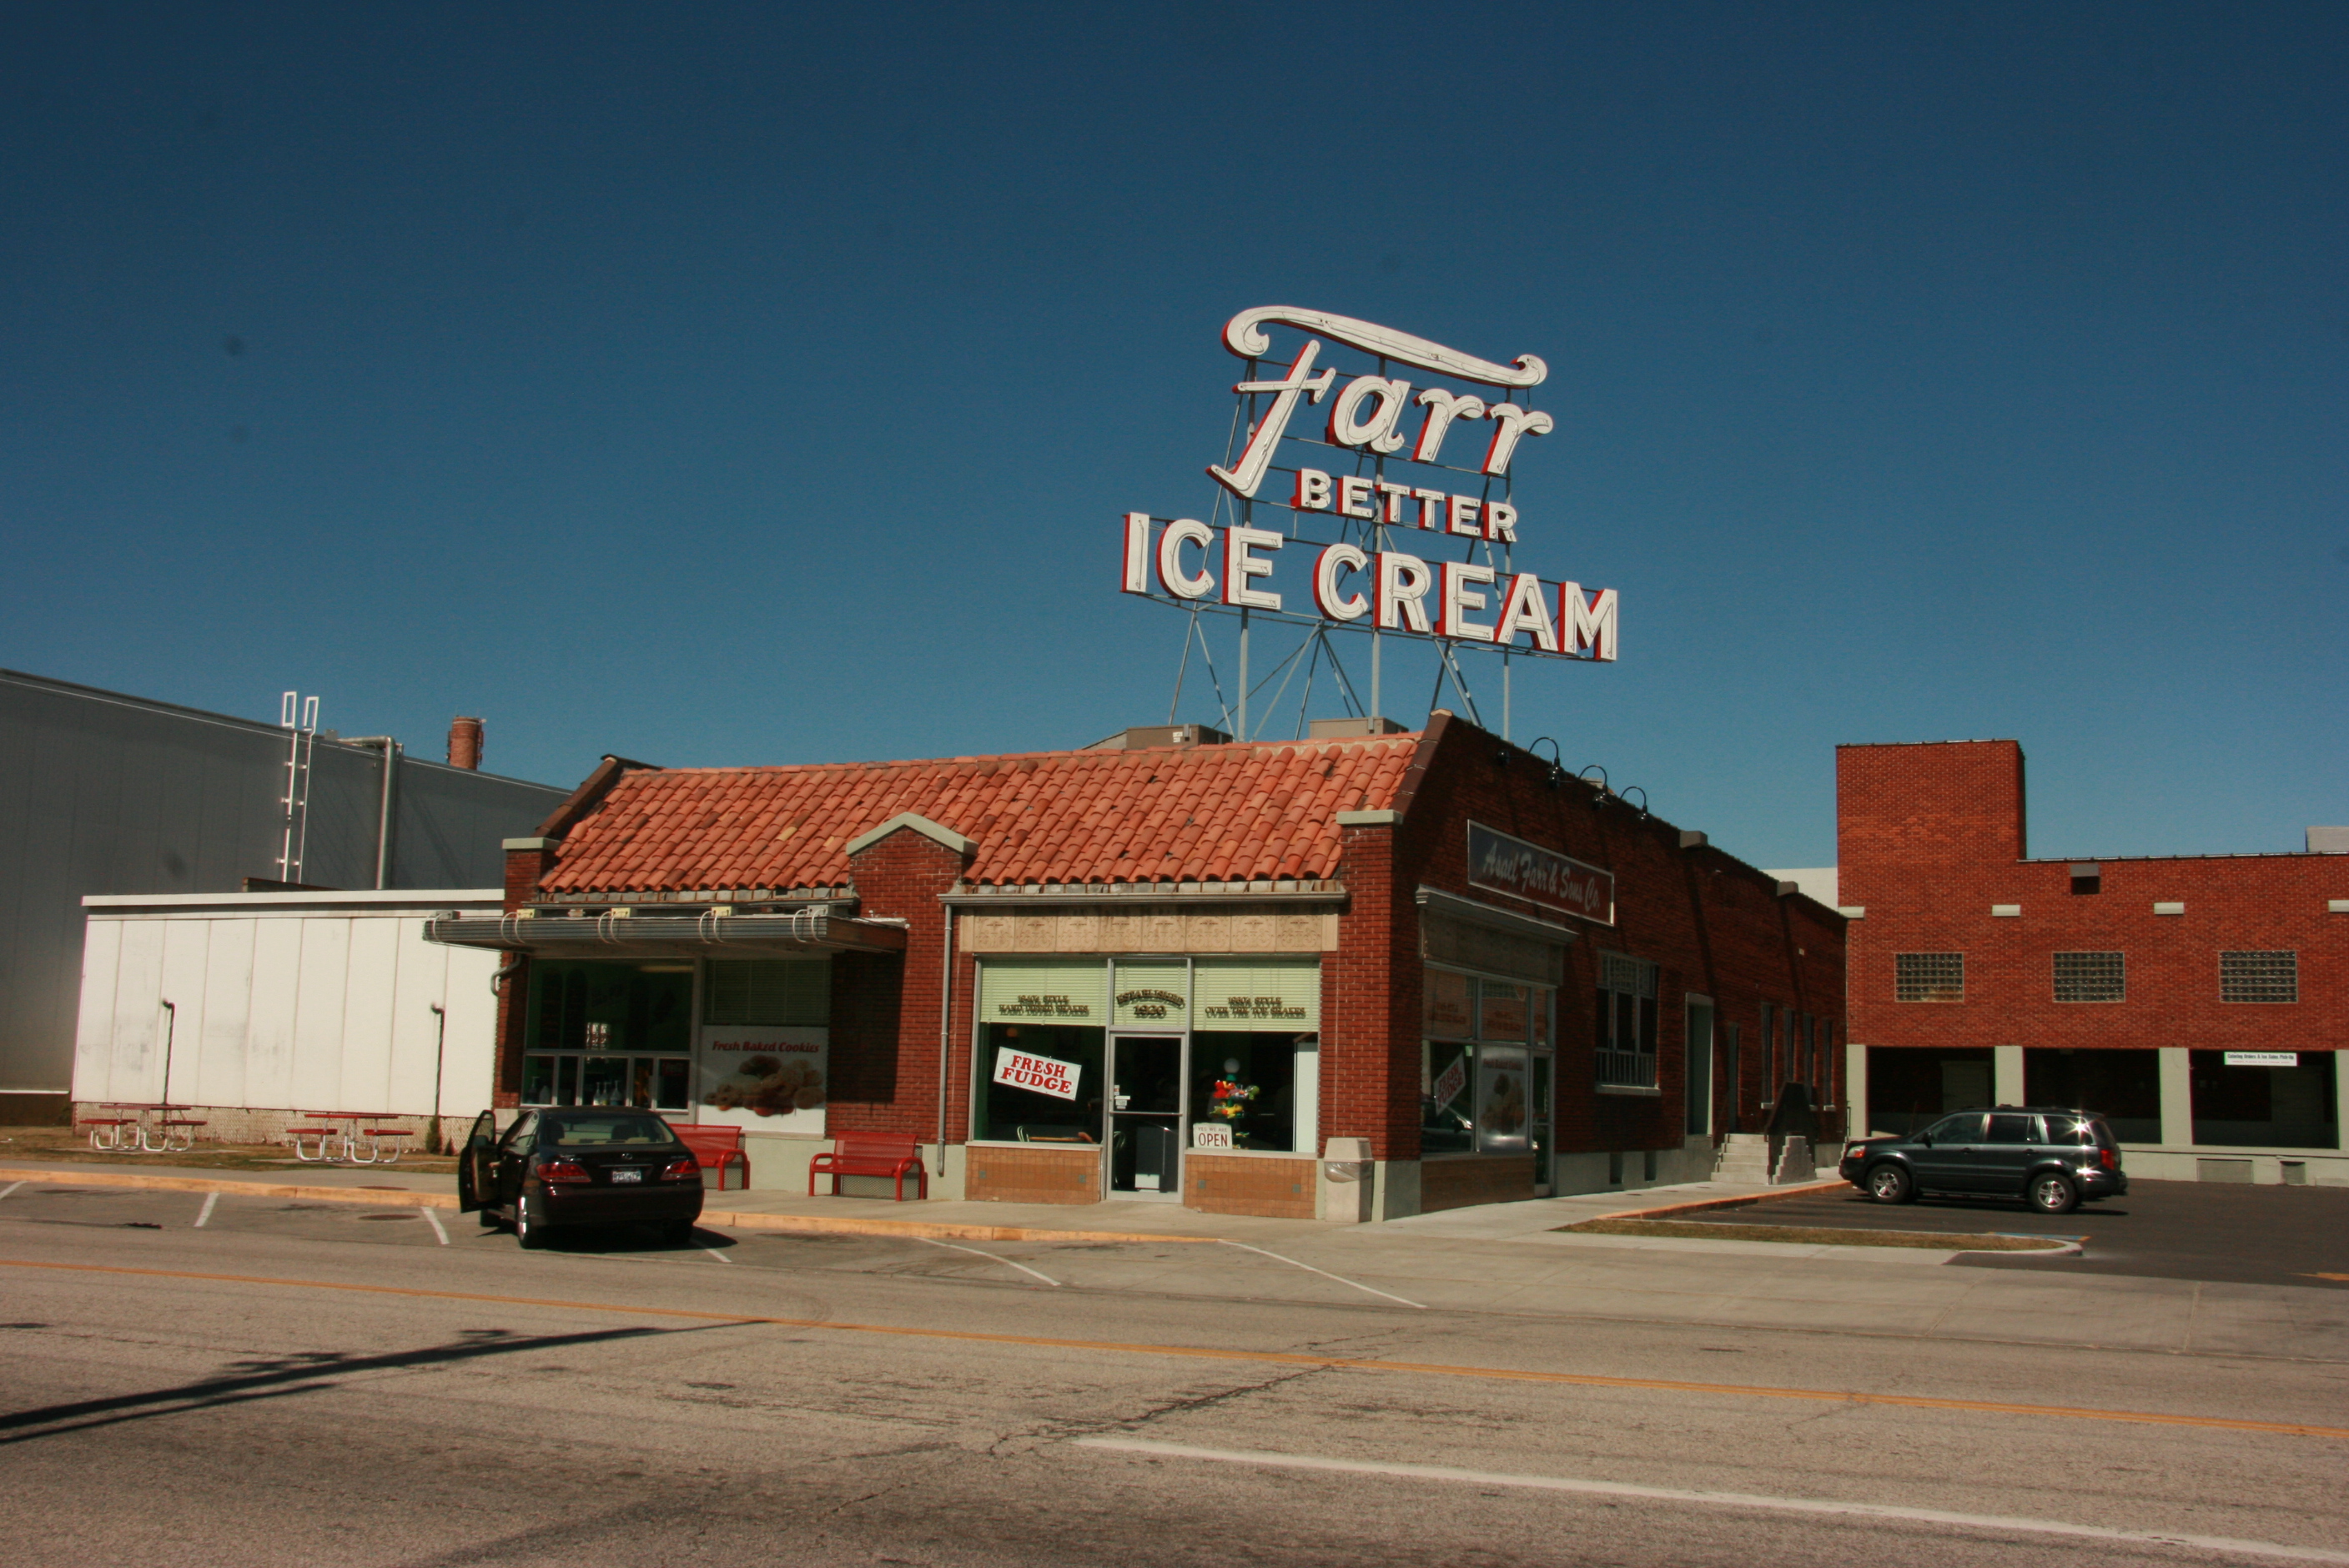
pixel 1249 1184
pixel 1714 925
pixel 1928 886
pixel 1028 1173
pixel 885 1040
pixel 1457 1181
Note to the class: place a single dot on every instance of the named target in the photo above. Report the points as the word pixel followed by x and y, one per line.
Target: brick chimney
pixel 464 742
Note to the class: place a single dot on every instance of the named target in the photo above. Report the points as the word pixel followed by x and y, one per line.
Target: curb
pixel 711 1219
pixel 1666 1212
pixel 927 1229
pixel 406 1197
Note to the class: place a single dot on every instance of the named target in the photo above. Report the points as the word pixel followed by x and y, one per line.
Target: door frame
pixel 1690 1002
pixel 1110 1040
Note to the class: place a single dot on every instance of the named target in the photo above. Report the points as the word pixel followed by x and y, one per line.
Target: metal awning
pixel 669 935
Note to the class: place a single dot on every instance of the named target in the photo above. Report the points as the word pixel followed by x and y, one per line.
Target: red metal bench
pixel 715 1146
pixel 872 1154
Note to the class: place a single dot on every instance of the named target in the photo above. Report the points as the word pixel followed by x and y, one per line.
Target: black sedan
pixel 560 1169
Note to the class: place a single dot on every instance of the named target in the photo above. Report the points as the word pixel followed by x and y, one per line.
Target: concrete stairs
pixel 1744 1157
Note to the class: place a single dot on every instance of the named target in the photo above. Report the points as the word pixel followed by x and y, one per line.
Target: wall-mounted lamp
pixel 1627 793
pixel 1557 763
pixel 1598 795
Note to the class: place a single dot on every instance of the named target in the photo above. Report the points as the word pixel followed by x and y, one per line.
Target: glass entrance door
pixel 1143 1115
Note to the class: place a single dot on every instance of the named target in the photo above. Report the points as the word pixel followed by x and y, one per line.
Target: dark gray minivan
pixel 2052 1157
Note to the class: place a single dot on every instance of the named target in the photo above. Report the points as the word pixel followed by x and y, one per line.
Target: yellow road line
pixel 1274 1357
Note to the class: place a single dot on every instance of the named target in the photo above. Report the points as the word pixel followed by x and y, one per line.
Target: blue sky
pixel 763 384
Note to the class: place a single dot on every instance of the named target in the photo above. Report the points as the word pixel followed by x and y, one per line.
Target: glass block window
pixel 2090 977
pixel 1928 976
pixel 2259 976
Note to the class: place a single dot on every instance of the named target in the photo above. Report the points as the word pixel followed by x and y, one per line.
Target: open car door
pixel 473 1163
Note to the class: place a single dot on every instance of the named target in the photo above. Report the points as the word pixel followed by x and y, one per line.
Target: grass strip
pixel 1819 1236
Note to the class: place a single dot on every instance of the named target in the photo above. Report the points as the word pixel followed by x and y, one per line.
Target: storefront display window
pixel 1041 1083
pixel 765 1049
pixel 1246 1084
pixel 1250 1028
pixel 610 1034
pixel 776 991
pixel 1484 1071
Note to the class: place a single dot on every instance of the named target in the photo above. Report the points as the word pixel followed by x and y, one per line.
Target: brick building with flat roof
pixel 2201 1002
pixel 1171 970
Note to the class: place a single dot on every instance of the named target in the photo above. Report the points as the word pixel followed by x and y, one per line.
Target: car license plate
pixel 618 1176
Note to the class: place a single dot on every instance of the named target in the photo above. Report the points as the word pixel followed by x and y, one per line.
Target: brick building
pixel 2200 1001
pixel 1158 967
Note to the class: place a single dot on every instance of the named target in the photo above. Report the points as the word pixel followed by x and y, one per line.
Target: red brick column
pixel 527 860
pixel 885 1032
pixel 1370 1005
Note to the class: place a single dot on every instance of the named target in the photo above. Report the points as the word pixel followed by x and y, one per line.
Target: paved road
pixel 295 1383
pixel 2162 1229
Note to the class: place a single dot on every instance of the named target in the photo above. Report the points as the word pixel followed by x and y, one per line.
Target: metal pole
pixel 170 1030
pixel 1244 674
pixel 439 1055
pixel 383 828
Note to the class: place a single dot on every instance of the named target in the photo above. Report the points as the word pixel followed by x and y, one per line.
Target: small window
pixel 2087 877
pixel 2259 976
pixel 1930 976
pixel 2090 977
pixel 1627 1022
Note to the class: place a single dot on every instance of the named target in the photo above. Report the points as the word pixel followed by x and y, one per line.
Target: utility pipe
pixel 439 1055
pixel 946 1031
pixel 170 1030
pixel 391 749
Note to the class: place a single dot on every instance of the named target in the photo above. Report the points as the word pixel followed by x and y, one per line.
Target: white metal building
pixel 261 1006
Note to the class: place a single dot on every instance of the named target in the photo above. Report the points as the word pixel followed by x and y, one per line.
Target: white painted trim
pixel 920 824
pixel 369 898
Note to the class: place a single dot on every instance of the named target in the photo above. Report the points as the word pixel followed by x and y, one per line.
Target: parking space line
pixel 11 1187
pixel 1325 1274
pixel 438 1229
pixel 717 1254
pixel 991 1257
pixel 2227 1545
pixel 204 1214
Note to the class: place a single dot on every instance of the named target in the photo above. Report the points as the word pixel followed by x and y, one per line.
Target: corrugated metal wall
pixel 287 1009
pixel 102 793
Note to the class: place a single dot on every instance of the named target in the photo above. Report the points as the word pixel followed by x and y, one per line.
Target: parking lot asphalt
pixel 2214 1231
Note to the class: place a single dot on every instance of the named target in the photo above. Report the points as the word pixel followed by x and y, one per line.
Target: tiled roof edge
pixel 589 794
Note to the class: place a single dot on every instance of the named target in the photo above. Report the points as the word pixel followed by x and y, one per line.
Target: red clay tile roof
pixel 1208 813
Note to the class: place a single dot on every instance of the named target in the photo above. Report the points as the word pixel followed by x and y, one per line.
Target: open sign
pixel 1038 1075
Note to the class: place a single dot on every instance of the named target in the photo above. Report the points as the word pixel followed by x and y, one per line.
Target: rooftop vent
pixel 1344 728
pixel 1143 734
